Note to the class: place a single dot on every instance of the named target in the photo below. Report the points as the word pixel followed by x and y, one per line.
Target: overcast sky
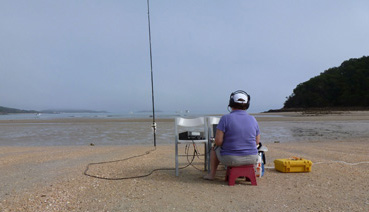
pixel 67 54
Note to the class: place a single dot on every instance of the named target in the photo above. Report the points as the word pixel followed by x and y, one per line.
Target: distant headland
pixel 8 110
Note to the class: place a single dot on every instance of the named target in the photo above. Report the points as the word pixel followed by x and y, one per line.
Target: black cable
pixel 114 161
pixel 139 176
pixel 195 154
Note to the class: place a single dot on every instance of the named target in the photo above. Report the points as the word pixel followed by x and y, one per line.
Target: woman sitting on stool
pixel 237 136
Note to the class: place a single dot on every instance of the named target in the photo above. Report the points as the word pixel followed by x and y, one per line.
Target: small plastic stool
pixel 234 172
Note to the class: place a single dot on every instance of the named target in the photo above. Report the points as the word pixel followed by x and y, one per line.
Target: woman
pixel 237 136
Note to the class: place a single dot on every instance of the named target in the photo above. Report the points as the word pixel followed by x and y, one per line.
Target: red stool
pixel 234 172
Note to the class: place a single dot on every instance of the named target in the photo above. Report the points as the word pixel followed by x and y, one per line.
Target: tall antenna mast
pixel 152 77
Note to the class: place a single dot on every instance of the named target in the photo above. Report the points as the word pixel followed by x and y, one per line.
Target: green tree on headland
pixel 346 86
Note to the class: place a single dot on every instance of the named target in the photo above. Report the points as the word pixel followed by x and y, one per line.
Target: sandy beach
pixel 41 177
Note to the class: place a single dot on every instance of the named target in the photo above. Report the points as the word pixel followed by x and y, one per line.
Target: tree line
pixel 346 86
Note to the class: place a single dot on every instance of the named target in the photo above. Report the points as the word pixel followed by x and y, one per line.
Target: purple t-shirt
pixel 240 131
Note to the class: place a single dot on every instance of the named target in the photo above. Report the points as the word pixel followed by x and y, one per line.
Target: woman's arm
pixel 257 140
pixel 219 137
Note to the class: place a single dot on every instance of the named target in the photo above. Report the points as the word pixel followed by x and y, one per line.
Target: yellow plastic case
pixel 293 165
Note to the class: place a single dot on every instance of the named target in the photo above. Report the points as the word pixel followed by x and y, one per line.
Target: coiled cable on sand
pixel 138 176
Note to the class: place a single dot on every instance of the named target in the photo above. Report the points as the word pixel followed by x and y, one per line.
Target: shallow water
pixel 127 133
pixel 313 131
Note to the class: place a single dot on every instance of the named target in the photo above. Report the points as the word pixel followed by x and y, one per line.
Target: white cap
pixel 240 98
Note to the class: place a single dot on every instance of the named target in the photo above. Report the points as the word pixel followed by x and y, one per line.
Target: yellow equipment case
pixel 293 165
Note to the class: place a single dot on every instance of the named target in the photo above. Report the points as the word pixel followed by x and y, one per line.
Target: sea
pixel 138 132
pixel 50 116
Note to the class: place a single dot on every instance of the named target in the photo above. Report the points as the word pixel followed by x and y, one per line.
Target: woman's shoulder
pixel 253 119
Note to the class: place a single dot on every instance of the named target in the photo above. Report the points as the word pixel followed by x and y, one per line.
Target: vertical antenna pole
pixel 152 76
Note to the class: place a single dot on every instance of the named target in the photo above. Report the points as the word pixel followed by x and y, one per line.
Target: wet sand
pixel 50 178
